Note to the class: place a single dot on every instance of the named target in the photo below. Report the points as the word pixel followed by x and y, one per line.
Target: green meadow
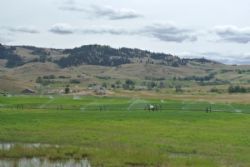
pixel 116 131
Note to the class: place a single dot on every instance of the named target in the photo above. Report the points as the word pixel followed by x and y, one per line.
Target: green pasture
pixel 123 133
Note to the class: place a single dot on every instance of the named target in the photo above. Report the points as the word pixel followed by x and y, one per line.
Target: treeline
pixel 238 89
pixel 199 78
pixel 92 55
pixel 202 61
pixel 231 89
pixel 52 79
pixel 239 71
pixel 46 80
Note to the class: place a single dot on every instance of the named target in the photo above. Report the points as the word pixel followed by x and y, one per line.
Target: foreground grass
pixel 182 136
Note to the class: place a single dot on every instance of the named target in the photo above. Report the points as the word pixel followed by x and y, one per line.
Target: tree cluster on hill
pixel 201 60
pixel 199 78
pixel 107 56
pixel 155 78
pixel 45 80
pixel 238 89
pixel 93 55
pixel 129 84
pixel 43 54
pixel 13 60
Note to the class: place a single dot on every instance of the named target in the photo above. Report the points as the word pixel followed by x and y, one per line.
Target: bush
pixel 75 81
pixel 113 86
pixel 129 84
pixel 214 90
pixel 49 77
pixel 43 81
pixel 104 85
pixel 151 85
pixel 178 88
pixel 237 89
pixel 67 90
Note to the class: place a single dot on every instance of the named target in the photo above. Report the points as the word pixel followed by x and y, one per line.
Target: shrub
pixel 49 77
pixel 75 81
pixel 129 84
pixel 178 88
pixel 237 89
pixel 214 90
pixel 67 90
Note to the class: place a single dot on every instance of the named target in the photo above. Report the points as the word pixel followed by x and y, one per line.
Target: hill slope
pixel 87 67
pixel 90 55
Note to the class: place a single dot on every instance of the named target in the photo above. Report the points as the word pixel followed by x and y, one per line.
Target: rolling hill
pixel 89 55
pixel 50 70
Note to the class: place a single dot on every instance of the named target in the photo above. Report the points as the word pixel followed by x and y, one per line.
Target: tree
pixel 162 85
pixel 39 80
pixel 129 84
pixel 104 85
pixel 113 86
pixel 237 89
pixel 67 90
pixel 118 84
pixel 151 85
pixel 178 88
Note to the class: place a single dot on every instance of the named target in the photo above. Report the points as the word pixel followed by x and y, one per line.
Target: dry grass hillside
pixel 37 69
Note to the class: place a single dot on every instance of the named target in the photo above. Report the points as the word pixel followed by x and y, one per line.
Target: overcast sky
pixel 215 29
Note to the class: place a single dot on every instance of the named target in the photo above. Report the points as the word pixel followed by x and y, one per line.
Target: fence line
pixel 112 108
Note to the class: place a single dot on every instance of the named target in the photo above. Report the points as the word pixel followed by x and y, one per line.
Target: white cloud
pixel 233 33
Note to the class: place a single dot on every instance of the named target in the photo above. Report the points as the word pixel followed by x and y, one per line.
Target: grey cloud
pixel 241 58
pixel 208 55
pixel 106 30
pixel 4 39
pixel 62 28
pixel 74 8
pixel 69 2
pixel 235 60
pixel 104 11
pixel 163 32
pixel 114 14
pixel 233 34
pixel 170 33
pixel 23 29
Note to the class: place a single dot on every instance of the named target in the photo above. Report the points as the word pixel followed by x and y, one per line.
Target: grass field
pixel 119 132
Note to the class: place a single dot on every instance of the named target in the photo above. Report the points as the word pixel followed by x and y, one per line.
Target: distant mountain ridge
pixel 89 55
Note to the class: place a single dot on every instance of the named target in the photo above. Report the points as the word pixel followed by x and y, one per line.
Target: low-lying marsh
pixel 43 162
